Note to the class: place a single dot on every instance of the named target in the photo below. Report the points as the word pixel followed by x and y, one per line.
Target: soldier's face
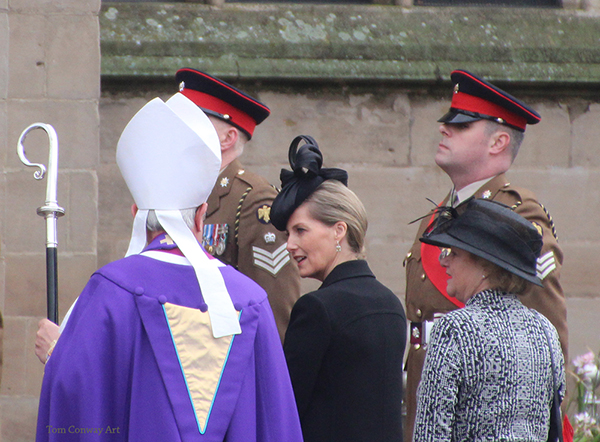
pixel 311 244
pixel 463 148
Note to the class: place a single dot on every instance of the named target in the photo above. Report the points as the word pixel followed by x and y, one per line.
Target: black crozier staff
pixel 50 211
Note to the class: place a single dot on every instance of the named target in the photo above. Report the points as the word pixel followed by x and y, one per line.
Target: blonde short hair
pixel 332 202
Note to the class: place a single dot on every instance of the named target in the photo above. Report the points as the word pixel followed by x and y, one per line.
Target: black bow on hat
pixel 298 184
pixel 492 231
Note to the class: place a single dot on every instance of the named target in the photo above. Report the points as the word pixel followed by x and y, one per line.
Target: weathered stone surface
pixel 18 418
pixel 115 218
pixel 548 143
pixel 55 7
pixel 361 42
pixel 380 125
pixel 72 77
pixel 22 371
pixel 27 70
pixel 570 195
pixel 586 133
pixel 76 123
pixel 583 330
pixel 4 141
pixel 4 51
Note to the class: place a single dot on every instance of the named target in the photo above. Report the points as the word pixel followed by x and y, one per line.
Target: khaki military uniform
pixel 238 231
pixel 423 300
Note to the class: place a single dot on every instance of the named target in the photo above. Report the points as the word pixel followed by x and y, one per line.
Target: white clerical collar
pixel 468 191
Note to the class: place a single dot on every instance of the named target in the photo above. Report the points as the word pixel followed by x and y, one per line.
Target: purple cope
pixel 115 374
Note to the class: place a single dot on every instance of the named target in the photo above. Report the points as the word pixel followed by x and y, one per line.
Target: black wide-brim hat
pixel 306 176
pixel 476 99
pixel 494 232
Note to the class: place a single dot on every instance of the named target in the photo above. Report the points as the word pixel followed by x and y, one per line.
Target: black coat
pixel 344 348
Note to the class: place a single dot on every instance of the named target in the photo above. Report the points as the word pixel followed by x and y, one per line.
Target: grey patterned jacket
pixel 488 375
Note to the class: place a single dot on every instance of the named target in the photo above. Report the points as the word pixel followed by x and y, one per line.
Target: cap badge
pixel 270 237
pixel 456 88
pixel 263 213
pixel 224 182
pixel 486 194
pixel 181 86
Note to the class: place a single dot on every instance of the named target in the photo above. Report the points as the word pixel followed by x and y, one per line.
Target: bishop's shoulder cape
pixel 137 361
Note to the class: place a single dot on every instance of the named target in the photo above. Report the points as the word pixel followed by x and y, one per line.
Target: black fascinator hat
pixel 492 231
pixel 297 185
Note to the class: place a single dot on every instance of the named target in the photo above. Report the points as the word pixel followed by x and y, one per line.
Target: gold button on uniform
pixel 419 313
pixel 406 258
pixel 423 277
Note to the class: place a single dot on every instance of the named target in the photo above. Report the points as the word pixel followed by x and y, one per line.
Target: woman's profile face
pixel 311 244
pixel 467 276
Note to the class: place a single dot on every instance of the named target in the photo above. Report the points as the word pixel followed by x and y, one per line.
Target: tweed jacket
pixel 238 231
pixel 488 374
pixel 423 300
pixel 344 349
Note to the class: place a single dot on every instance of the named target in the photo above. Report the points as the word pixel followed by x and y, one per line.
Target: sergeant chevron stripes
pixel 271 262
pixel 545 265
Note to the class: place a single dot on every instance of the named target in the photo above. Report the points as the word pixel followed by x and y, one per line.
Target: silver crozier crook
pixel 51 211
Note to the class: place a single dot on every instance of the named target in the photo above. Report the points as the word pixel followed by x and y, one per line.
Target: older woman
pixel 345 342
pixel 493 367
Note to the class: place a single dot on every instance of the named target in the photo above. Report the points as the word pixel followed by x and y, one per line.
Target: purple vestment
pixel 116 373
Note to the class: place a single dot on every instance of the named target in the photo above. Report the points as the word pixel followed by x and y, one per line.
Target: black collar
pixel 348 269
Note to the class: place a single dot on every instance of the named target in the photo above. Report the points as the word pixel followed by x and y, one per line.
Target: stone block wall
pixel 49 72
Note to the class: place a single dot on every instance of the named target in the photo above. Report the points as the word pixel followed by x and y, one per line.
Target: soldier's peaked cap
pixel 476 99
pixel 222 100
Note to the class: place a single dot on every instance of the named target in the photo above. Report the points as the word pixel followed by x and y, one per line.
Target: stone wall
pixel 371 104
pixel 49 72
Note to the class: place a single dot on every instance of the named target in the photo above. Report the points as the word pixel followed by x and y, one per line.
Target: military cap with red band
pixel 476 99
pixel 222 100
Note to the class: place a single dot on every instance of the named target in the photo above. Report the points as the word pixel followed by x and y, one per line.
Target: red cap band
pixel 237 117
pixel 470 103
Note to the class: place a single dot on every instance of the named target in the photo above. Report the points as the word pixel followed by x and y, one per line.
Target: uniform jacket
pixel 344 348
pixel 137 362
pixel 488 374
pixel 423 299
pixel 241 201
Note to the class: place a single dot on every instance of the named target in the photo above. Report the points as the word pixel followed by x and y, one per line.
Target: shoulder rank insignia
pixel 545 265
pixel 263 213
pixel 486 194
pixel 224 181
pixel 214 238
pixel 271 262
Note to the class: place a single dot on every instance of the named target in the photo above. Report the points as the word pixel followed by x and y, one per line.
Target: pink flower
pixel 586 369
